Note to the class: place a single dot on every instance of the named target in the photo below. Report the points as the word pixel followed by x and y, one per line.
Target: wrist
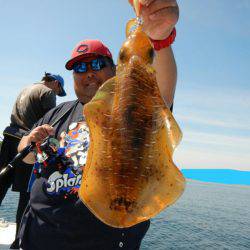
pixel 28 140
pixel 160 44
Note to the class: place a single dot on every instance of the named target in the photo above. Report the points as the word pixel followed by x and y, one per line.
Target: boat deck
pixel 7 234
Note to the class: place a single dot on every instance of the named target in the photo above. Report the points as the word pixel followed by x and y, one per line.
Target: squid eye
pixel 122 55
pixel 151 53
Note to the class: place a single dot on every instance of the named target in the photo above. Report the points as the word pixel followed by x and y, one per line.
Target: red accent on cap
pixel 87 48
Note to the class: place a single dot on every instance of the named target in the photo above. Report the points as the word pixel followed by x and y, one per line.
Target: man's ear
pixel 57 83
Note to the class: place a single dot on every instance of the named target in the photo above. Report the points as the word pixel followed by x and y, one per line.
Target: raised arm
pixel 166 74
pixel 159 19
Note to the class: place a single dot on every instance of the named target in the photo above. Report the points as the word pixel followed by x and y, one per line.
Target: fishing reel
pixel 48 148
pixel 49 155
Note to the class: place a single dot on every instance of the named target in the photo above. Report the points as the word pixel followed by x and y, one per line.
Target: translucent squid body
pixel 130 176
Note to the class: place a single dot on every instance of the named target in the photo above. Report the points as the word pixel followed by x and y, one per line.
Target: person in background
pixel 56 218
pixel 31 104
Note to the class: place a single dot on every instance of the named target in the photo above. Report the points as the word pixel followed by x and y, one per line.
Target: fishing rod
pixel 11 165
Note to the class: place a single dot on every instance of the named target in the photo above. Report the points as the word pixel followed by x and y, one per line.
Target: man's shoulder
pixel 40 87
pixel 35 90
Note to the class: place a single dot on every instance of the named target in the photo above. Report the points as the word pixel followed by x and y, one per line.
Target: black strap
pixel 64 114
pixel 14 131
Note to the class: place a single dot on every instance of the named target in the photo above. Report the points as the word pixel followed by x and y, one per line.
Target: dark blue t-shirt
pixel 56 218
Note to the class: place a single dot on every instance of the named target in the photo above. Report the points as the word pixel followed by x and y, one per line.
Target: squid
pixel 130 175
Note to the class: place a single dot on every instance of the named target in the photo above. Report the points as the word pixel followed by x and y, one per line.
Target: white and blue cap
pixel 61 82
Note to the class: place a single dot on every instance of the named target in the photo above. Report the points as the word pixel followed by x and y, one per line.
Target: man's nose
pixel 90 74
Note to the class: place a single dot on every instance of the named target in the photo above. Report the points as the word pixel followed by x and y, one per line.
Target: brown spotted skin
pixel 129 175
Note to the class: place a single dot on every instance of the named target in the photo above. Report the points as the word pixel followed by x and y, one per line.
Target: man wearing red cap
pixel 56 218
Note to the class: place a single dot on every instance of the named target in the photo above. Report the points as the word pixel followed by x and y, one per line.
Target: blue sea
pixel 207 216
pixel 226 176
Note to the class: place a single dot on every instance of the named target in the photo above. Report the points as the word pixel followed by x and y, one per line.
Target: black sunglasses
pixel 96 65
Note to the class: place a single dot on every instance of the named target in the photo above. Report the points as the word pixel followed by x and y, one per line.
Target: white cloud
pixel 236 142
pixel 206 108
pixel 186 157
pixel 203 96
pixel 205 150
pixel 204 120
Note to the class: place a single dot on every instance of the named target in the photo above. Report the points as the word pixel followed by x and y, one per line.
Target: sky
pixel 212 51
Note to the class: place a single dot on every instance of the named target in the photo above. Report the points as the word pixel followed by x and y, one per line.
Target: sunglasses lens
pixel 80 67
pixel 95 65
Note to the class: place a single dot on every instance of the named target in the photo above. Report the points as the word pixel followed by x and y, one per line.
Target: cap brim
pixel 71 62
pixel 62 93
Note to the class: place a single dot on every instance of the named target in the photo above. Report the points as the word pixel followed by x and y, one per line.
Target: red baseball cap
pixel 87 48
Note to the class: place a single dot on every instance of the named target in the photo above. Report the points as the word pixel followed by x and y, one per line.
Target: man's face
pixel 86 84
